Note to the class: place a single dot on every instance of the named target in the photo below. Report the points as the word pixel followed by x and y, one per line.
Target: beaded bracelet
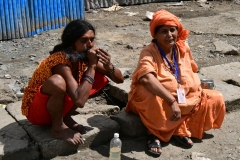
pixel 90 77
pixel 113 70
pixel 89 81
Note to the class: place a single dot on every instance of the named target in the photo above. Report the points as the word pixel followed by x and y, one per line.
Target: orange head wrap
pixel 164 17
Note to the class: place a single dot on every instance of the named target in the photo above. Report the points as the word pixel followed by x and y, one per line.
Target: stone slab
pixel 99 109
pixel 130 124
pixel 225 48
pixel 101 129
pixel 227 81
pixel 14 141
pixel 203 25
pixel 120 91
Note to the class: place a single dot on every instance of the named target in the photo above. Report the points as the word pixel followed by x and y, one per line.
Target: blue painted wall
pixel 25 18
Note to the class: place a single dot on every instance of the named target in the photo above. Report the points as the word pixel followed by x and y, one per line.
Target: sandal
pixel 153 144
pixel 184 141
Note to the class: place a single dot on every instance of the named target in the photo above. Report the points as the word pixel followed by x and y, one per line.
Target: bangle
pixel 89 81
pixel 113 70
pixel 171 102
pixel 90 77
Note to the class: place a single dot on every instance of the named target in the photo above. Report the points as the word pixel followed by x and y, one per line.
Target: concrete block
pixel 225 48
pixel 130 124
pixel 120 91
pixel 100 130
pixel 226 80
pixel 99 109
pixel 14 141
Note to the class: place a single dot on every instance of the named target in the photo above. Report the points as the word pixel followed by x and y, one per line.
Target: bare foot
pixel 68 135
pixel 74 125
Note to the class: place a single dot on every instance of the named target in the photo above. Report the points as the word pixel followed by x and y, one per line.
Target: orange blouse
pixel 150 61
pixel 42 73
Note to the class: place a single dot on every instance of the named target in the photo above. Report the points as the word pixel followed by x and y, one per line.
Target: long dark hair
pixel 74 30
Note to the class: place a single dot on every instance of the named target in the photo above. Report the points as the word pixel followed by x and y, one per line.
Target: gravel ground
pixel 124 37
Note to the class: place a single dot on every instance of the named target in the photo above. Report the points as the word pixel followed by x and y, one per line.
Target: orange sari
pixel 204 109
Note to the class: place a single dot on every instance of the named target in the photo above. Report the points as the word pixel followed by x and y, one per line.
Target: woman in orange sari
pixel 166 91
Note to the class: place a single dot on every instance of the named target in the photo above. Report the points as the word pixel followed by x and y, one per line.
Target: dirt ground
pixel 124 36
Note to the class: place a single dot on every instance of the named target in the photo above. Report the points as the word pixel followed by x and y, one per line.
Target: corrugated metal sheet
pixel 109 3
pixel 25 18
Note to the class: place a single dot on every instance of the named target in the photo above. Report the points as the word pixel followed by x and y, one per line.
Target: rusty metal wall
pixel 25 18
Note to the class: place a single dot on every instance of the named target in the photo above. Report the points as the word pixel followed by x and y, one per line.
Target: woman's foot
pixel 154 145
pixel 186 141
pixel 74 125
pixel 68 135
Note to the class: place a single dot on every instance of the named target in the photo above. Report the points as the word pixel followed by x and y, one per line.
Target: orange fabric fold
pixel 204 109
pixel 164 17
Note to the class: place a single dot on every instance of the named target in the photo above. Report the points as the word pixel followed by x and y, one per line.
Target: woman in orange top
pixel 165 90
pixel 64 80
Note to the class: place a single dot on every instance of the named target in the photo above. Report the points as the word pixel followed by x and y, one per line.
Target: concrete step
pixel 100 130
pixel 14 140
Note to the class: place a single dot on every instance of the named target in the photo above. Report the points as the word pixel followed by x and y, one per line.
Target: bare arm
pixel 78 94
pixel 152 84
pixel 116 76
pixel 106 67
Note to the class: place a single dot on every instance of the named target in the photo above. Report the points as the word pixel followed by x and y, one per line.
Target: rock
pixel 127 72
pixel 120 42
pixel 224 48
pixel 32 58
pixel 100 130
pixel 7 76
pixel 14 141
pixel 6 99
pixel 130 124
pixel 99 109
pixel 129 46
pixel 19 94
pixel 120 91
pixel 32 55
pixel 199 156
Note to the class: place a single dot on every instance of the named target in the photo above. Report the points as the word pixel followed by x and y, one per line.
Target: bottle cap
pixel 116 135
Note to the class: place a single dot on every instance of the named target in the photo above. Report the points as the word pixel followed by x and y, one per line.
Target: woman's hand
pixel 92 55
pixel 105 59
pixel 176 112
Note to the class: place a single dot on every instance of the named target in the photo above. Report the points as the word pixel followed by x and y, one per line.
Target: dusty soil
pixel 124 37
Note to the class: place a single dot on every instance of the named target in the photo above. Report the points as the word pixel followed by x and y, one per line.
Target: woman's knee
pixel 54 85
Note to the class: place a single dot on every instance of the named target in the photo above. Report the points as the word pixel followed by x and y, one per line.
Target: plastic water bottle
pixel 115 148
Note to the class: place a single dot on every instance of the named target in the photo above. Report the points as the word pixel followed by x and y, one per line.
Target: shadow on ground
pixel 15 143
